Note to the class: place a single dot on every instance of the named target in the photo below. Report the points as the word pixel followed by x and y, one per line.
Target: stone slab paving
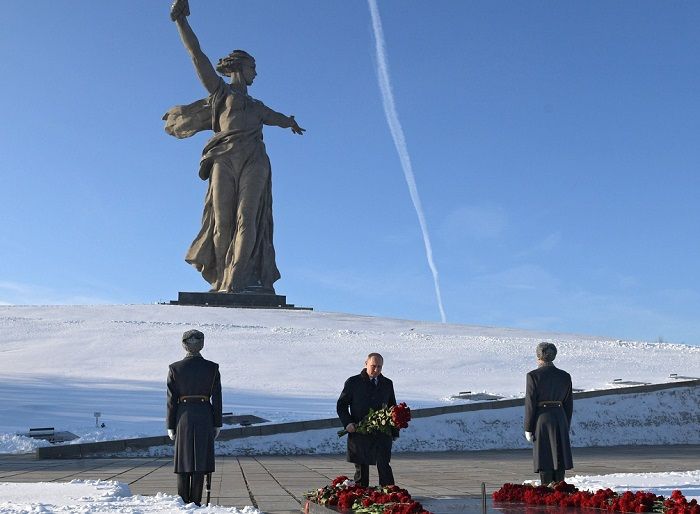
pixel 275 484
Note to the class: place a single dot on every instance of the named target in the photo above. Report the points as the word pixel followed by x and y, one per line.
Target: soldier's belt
pixel 549 404
pixel 193 398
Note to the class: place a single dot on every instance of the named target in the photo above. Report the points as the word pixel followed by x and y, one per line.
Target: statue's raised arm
pixel 179 11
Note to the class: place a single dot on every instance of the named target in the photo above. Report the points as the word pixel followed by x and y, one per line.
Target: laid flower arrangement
pixel 383 420
pixel 344 494
pixel 567 495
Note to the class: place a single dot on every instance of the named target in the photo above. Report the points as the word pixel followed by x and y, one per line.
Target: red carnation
pixel 346 499
pixel 400 415
pixel 339 480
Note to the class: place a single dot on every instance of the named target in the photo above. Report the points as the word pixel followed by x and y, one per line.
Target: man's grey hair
pixel 375 355
pixel 546 352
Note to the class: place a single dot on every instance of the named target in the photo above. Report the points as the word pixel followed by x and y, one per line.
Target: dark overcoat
pixel 549 423
pixel 358 397
pixel 194 419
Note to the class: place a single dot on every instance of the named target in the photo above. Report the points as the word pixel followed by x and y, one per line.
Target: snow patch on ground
pixel 11 443
pixel 94 496
pixel 659 483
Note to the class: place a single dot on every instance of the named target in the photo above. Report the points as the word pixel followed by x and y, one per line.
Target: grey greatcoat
pixel 194 419
pixel 354 403
pixel 549 422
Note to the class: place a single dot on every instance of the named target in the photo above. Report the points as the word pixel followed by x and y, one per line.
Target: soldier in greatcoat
pixel 368 390
pixel 194 416
pixel 548 409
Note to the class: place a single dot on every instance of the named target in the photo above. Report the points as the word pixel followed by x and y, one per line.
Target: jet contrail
pixel 392 119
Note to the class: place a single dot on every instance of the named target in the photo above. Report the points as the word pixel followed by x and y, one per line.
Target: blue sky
pixel 554 147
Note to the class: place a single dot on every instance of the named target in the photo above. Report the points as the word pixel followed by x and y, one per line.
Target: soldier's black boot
pixel 546 477
pixel 183 486
pixel 196 488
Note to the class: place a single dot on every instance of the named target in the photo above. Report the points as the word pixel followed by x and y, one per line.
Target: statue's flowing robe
pixel 259 272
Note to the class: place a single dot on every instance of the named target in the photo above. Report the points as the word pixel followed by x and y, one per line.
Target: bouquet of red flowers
pixel 383 420
pixel 566 495
pixel 346 495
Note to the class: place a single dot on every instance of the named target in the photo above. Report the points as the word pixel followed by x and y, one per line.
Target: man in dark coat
pixel 368 390
pixel 194 416
pixel 549 406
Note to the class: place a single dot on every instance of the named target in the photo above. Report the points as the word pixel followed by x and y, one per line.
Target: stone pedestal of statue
pixel 251 300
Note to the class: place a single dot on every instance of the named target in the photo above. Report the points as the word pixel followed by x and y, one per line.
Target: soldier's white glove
pixel 171 434
pixel 529 436
pixel 217 430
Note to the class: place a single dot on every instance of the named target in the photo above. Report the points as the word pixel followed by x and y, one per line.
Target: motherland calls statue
pixel 233 250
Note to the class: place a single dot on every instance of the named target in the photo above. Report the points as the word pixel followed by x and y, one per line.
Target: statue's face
pixel 248 70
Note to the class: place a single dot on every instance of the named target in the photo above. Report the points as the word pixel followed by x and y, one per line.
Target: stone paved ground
pixel 275 484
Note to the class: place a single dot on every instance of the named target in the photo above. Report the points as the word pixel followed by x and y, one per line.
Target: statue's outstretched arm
pixel 179 11
pixel 272 117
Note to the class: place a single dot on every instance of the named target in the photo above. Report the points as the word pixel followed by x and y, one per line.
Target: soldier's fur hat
pixel 546 352
pixel 193 341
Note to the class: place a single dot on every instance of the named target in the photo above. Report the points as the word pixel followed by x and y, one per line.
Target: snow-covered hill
pixel 60 364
